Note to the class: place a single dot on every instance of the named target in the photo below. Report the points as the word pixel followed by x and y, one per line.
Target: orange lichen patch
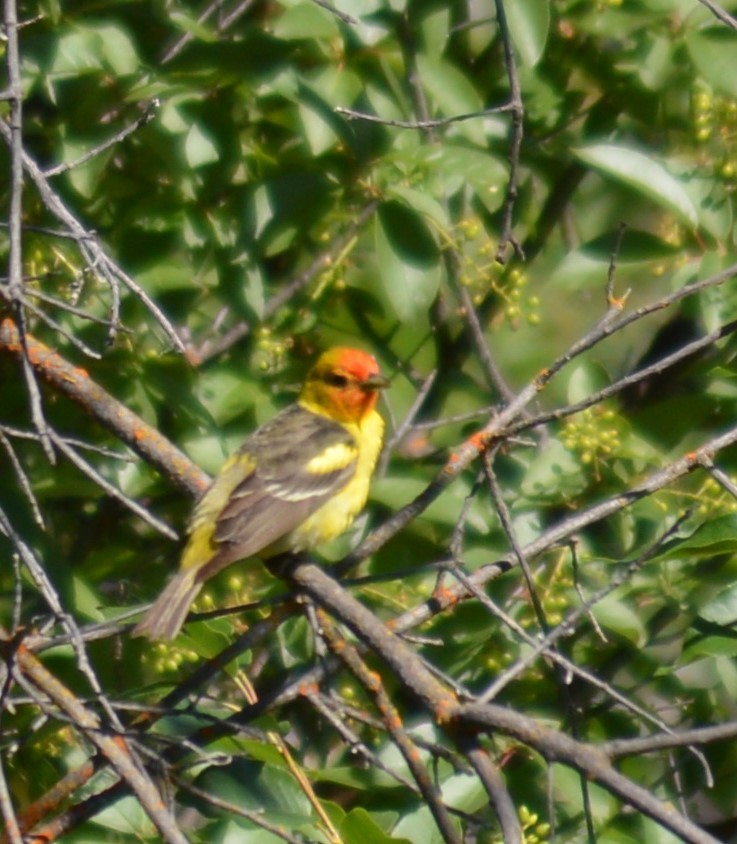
pixel 393 721
pixel 414 754
pixel 444 596
pixel 120 741
pixel 374 683
pixel 9 336
pixel 454 458
pixel 308 689
pixel 445 708
pixel 480 440
pixel 338 646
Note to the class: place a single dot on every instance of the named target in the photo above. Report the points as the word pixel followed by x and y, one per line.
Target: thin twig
pixel 118 137
pixel 256 817
pixel 226 20
pixel 406 423
pixel 516 106
pixel 352 114
pixel 323 4
pixel 94 255
pixel 289 288
pixel 23 481
pixel 612 272
pixel 112 490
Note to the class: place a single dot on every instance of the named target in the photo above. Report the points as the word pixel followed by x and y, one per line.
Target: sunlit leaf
pixel 643 173
pixel 199 148
pixel 409 260
pixel 712 51
pixel 529 21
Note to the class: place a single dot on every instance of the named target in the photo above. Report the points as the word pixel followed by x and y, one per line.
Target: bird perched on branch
pixel 296 482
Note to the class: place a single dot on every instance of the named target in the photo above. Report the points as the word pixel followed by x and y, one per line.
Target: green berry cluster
pixel 594 435
pixel 671 231
pixel 167 658
pixel 271 351
pixel 712 499
pixel 553 591
pixel 534 831
pixel 714 120
pixel 482 275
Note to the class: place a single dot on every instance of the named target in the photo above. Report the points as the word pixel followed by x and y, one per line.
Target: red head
pixel 343 384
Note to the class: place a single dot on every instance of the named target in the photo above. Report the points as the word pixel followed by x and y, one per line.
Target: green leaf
pixel 397 490
pixel 717 536
pixel 167 277
pixel 615 614
pixel 723 608
pixel 634 247
pixel 458 167
pixel 586 378
pixel 713 51
pixel 86 601
pixel 305 20
pixel 420 827
pixel 464 792
pixel 453 93
pixel 644 174
pixel 86 48
pixel 126 817
pixel 263 788
pixel 317 99
pixel 189 24
pixel 199 149
pixel 409 260
pixel 421 201
pixel 529 22
pixel 452 90
pixel 232 832
pixel 589 264
pixel 712 646
pixel 553 472
pixel 359 827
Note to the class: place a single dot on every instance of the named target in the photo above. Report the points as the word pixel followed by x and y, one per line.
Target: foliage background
pixel 266 224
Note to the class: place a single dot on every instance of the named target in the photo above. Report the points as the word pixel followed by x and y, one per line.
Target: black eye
pixel 334 379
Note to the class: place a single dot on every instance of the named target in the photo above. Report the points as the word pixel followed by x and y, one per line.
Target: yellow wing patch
pixel 332 459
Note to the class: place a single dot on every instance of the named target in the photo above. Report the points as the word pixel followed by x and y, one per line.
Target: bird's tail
pixel 166 617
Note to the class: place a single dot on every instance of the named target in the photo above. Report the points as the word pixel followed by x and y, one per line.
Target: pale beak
pixel 375 382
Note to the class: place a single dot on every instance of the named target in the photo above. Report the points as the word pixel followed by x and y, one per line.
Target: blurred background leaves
pixel 268 224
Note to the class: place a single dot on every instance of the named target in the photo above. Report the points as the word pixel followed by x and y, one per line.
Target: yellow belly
pixel 337 515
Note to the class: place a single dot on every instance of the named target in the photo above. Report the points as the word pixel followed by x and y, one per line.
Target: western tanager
pixel 297 481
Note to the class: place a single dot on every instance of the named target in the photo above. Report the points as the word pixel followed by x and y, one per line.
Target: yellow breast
pixel 337 515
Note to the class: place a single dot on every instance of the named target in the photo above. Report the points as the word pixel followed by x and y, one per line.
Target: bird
pixel 297 481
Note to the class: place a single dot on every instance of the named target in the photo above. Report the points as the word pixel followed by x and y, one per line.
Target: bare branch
pixel 127 426
pixel 720 13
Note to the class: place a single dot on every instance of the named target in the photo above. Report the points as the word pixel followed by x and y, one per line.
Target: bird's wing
pixel 299 461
